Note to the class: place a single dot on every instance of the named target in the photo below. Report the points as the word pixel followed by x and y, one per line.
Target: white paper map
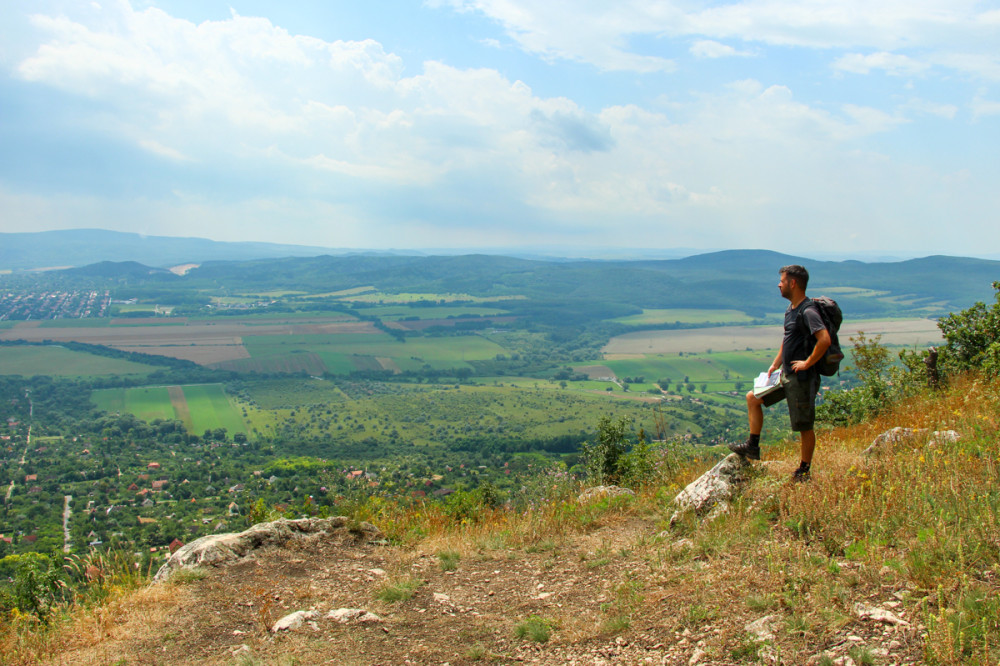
pixel 765 383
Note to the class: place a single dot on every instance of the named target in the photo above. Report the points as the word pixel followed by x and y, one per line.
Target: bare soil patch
pixel 613 595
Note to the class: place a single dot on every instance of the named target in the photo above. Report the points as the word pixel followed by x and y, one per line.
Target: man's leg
pixel 751 448
pixel 808 439
pixel 755 413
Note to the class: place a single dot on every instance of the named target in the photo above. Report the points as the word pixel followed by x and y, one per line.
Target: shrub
pixel 613 457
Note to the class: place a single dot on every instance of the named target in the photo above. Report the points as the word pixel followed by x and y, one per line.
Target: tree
pixel 973 337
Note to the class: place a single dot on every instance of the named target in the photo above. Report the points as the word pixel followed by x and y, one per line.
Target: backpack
pixel 832 317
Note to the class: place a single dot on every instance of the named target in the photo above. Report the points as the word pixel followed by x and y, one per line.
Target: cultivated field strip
pixel 734 338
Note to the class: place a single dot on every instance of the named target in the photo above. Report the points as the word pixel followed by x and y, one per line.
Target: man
pixel 806 340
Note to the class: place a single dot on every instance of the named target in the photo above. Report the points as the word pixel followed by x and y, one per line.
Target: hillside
pixel 891 558
pixel 80 247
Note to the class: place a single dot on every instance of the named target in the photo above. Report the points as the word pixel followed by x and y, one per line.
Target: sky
pixel 811 127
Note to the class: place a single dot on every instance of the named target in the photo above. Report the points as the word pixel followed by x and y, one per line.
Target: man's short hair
pixel 796 272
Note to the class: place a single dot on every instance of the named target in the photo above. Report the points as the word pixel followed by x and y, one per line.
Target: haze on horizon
pixel 814 127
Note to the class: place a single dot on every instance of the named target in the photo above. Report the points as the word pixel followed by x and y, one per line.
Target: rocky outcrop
pixel 711 493
pixel 897 435
pixel 600 492
pixel 216 549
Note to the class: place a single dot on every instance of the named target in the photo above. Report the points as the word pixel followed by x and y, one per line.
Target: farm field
pixel 395 312
pixel 685 316
pixel 432 415
pixel 202 341
pixel 341 354
pixel 200 406
pixel 383 297
pixel 899 332
pixel 28 360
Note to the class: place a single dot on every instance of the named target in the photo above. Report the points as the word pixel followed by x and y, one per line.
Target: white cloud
pixel 983 107
pixel 357 153
pixel 894 64
pixel 707 48
pixel 958 31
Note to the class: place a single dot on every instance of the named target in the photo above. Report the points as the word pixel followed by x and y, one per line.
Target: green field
pixel 90 322
pixel 685 316
pixel 211 408
pixel 204 407
pixel 383 297
pixel 711 369
pixel 427 415
pixel 30 360
pixel 342 354
pixel 434 312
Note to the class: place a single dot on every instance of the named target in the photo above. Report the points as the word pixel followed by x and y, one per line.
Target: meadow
pixel 30 360
pixel 200 406
pixel 345 353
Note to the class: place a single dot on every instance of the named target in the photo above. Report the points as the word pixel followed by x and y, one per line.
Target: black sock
pixel 804 466
pixel 754 440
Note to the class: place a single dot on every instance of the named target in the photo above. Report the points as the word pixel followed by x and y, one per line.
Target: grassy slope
pixel 915 531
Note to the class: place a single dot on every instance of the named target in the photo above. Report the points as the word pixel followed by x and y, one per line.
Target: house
pixel 234 509
pixel 30 477
pixel 175 545
pixel 161 484
pixel 31 538
pixel 148 503
pixel 133 488
pixel 153 465
pixel 147 521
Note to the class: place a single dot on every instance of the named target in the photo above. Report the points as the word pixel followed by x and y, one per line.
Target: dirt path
pixel 179 402
pixel 610 596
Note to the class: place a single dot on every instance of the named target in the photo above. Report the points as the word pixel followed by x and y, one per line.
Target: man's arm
pixel 776 363
pixel 822 344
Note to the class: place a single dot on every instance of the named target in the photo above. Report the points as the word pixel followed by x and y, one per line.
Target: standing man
pixel 806 340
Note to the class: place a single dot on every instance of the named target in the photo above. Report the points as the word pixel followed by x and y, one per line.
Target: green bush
pixel 972 338
pixel 616 456
pixel 36 584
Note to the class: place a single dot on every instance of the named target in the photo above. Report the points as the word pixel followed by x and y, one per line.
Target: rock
pixel 764 627
pixel 441 598
pixel 898 434
pixel 345 615
pixel 216 549
pixel 293 621
pixel 604 491
pixel 712 492
pixel 879 615
pixel 696 657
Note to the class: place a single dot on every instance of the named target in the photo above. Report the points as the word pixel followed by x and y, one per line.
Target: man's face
pixel 785 286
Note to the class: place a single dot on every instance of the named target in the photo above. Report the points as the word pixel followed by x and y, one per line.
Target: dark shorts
pixel 799 389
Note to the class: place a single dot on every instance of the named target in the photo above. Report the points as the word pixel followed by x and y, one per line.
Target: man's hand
pixel 799 366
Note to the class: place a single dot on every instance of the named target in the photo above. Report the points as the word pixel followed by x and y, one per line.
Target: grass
pixel 534 628
pixel 915 529
pixel 396 590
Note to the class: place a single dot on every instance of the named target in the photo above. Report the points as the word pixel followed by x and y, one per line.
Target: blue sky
pixel 805 126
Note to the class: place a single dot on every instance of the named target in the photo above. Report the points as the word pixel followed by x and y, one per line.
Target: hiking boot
pixel 746 449
pixel 801 475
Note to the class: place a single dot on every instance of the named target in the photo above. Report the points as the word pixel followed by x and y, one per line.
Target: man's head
pixel 792 277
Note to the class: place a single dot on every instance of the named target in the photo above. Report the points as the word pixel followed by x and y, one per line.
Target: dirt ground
pixel 462 616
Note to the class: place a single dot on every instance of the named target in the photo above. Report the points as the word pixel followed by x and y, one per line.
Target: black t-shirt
pixel 797 345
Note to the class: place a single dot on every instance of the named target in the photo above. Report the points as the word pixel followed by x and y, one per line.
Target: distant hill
pixel 81 247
